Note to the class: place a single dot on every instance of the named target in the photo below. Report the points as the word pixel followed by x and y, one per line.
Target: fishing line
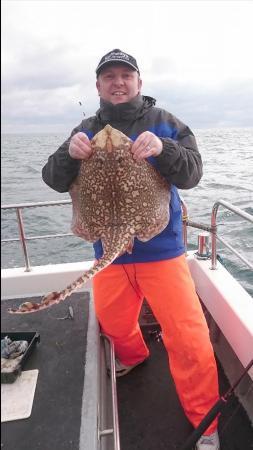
pixel 214 411
pixel 80 103
pixel 234 412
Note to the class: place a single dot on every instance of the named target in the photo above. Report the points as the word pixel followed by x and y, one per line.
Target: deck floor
pixel 55 420
pixel 150 414
pixel 151 417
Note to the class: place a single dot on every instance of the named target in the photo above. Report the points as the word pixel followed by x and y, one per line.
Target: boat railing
pixel 114 430
pixel 212 228
pixel 23 239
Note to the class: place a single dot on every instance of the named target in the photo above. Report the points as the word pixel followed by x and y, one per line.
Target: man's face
pixel 118 84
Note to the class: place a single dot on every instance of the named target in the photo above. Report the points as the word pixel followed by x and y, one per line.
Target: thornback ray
pixel 115 199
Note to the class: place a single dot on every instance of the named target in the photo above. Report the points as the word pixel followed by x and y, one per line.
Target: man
pixel 157 269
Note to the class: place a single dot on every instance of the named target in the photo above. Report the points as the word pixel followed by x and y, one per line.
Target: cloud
pixel 42 88
pixel 43 110
pixel 229 104
pixel 42 68
pixel 194 59
pixel 58 109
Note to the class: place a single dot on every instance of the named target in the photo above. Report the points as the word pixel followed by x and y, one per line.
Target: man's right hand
pixel 80 146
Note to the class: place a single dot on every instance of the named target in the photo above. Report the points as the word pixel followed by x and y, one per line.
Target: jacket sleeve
pixel 61 170
pixel 180 161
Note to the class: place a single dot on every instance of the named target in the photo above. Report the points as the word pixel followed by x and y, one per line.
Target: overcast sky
pixel 195 58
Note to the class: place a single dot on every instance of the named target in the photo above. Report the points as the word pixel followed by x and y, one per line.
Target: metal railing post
pixel 185 220
pixel 22 239
pixel 214 236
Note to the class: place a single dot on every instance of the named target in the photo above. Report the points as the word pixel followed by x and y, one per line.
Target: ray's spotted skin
pixel 114 199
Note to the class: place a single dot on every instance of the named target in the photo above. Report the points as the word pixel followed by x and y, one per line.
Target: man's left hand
pixel 147 144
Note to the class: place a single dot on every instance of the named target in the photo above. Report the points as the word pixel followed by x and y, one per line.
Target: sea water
pixel 228 173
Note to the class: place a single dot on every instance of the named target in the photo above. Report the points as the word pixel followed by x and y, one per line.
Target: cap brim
pixel 119 61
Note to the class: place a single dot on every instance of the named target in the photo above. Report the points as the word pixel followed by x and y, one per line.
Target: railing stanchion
pixel 185 220
pixel 213 236
pixel 22 239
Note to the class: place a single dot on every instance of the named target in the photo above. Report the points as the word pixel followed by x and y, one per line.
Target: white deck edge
pixel 17 283
pixel 228 303
pixel 226 300
pixel 89 413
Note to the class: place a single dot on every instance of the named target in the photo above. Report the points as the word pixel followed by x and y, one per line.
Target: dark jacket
pixel 179 162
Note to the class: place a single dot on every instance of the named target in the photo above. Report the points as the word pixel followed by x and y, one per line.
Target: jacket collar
pixel 123 111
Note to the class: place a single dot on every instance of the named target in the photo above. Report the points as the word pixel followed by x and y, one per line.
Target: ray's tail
pixel 56 297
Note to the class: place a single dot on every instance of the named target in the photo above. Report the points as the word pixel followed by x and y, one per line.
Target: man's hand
pixel 80 146
pixel 147 144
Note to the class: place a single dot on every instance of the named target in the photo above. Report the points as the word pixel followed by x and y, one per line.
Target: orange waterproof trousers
pixel 167 285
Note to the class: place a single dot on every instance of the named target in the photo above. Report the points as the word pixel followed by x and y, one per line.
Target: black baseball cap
pixel 117 55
